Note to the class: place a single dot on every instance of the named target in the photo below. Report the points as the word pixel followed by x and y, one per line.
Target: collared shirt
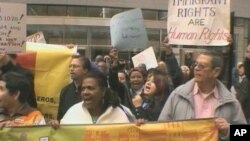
pixel 25 116
pixel 139 91
pixel 241 78
pixel 134 93
pixel 205 104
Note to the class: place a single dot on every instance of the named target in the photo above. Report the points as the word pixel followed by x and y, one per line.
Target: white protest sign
pixel 12 27
pixel 146 57
pixel 36 38
pixel 199 22
pixel 127 30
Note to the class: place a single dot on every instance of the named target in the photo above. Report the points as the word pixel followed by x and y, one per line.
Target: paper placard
pixel 36 38
pixel 205 23
pixel 127 30
pixel 12 27
pixel 146 57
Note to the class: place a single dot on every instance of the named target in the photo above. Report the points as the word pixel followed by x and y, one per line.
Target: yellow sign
pixel 50 65
pixel 192 130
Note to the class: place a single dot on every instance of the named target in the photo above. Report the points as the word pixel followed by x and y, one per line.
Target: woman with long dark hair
pixel 148 105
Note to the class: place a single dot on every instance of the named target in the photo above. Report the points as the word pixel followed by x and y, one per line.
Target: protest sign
pixel 127 30
pixel 12 27
pixel 192 130
pixel 202 22
pixel 50 66
pixel 146 57
pixel 36 38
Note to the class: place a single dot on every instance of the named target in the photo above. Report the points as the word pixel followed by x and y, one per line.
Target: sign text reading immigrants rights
pixel 198 11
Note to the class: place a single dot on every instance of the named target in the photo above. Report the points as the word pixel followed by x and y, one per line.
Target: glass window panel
pixel 75 35
pixel 153 35
pixel 154 38
pixel 239 22
pixel 163 34
pixel 100 36
pixel 32 29
pixel 57 10
pixel 110 12
pixel 53 34
pixel 150 14
pixel 94 11
pixel 37 10
pixel 163 15
pixel 77 11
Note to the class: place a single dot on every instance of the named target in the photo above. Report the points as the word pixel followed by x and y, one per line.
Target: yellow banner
pixel 51 74
pixel 192 130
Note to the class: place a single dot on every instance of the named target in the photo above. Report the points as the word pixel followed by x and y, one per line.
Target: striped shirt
pixel 25 116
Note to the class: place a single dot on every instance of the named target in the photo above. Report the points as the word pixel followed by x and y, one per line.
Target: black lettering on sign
pixel 48 116
pixel 45 99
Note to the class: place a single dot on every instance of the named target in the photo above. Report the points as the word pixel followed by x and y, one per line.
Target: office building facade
pixel 86 22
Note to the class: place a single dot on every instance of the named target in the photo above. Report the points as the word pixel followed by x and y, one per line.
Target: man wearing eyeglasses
pixel 205 97
pixel 70 94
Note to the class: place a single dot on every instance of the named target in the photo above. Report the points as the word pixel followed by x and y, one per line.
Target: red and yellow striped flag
pixel 50 66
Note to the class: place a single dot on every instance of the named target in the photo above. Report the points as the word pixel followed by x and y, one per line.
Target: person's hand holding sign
pixel 230 39
pixel 137 101
pixel 113 53
pixel 168 49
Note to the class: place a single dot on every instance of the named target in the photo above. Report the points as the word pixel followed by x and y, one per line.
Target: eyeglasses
pixel 199 65
pixel 74 66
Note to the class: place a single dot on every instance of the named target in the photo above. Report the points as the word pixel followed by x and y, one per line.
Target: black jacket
pixel 69 96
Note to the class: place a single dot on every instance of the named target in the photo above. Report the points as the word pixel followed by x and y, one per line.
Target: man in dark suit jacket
pixel 71 94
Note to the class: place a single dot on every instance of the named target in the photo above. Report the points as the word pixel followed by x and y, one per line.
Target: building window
pixel 154 38
pixel 162 15
pixel 75 35
pixel 32 29
pixel 37 10
pixel 110 12
pixel 53 33
pixel 88 11
pixel 100 36
pixel 57 10
pixel 150 14
pixel 94 12
pixel 78 11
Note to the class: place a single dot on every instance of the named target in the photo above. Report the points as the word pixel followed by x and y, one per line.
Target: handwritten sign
pixel 36 38
pixel 146 57
pixel 127 30
pixel 12 27
pixel 199 22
